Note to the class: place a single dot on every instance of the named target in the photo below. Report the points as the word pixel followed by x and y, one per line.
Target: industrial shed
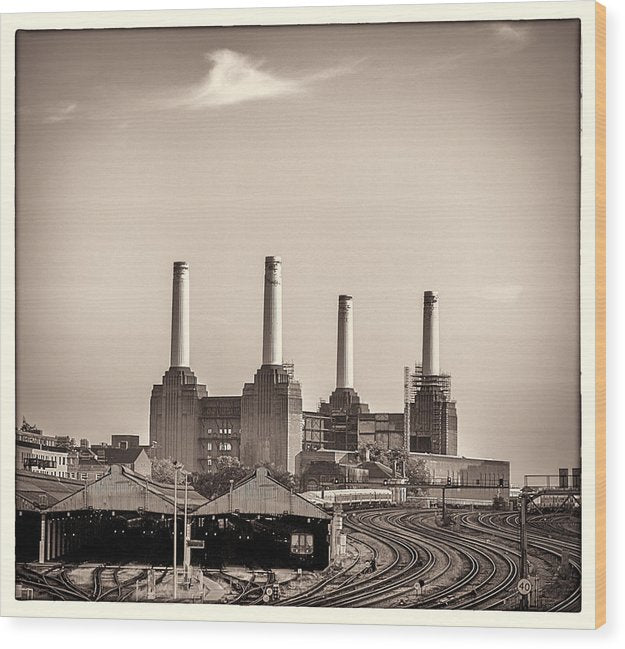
pixel 253 525
pixel 259 493
pixel 120 517
pixel 122 489
pixel 126 517
pixel 37 491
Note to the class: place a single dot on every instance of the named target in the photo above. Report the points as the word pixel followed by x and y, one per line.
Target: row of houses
pixel 62 457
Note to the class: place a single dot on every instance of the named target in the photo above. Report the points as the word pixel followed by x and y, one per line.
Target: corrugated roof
pixel 122 489
pixel 38 491
pixel 259 493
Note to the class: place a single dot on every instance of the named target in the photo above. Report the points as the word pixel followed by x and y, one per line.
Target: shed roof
pixel 122 489
pixel 259 493
pixel 38 491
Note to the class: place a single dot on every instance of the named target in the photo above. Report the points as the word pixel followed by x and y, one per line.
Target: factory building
pixel 264 425
pixel 345 423
pixel 175 405
pixel 220 430
pixel 432 417
pixel 271 406
pixel 336 424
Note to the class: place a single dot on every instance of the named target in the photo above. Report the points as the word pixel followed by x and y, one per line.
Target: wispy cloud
pixel 60 113
pixel 513 33
pixel 235 78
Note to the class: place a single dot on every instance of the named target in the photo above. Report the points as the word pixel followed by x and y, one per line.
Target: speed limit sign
pixel 524 586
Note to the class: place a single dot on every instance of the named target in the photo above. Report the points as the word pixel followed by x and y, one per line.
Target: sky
pixel 377 160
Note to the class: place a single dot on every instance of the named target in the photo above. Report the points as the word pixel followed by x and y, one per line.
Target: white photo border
pixel 585 11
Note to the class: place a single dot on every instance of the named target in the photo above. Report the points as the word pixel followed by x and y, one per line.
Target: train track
pixel 475 567
pixel 507 526
pixel 58 586
pixel 339 579
pixel 407 560
pixel 57 583
pixel 492 570
pixel 486 570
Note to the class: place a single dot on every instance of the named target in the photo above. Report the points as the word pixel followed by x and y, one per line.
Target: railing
pixel 563 480
pixel 39 463
pixel 477 483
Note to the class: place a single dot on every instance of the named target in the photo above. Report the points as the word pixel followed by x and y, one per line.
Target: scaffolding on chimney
pixel 415 382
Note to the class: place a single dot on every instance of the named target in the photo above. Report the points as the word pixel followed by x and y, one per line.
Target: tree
pixel 376 452
pixel 217 482
pixel 397 455
pixel 392 457
pixel 417 471
pixel 226 469
pixel 163 471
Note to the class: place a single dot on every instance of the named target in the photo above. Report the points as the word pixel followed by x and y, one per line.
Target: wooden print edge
pixel 600 315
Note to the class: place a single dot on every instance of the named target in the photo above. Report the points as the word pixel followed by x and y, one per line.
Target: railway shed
pixel 126 517
pixel 122 516
pixel 254 523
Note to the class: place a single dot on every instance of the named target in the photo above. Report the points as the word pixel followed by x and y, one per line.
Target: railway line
pixel 507 526
pixel 471 565
pixel 58 584
pixel 462 571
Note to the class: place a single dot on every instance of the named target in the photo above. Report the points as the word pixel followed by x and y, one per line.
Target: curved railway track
pixel 485 571
pixel 492 571
pixel 507 526
pixel 473 567
pixel 59 584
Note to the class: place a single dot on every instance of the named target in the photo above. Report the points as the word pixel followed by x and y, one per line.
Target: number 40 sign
pixel 524 586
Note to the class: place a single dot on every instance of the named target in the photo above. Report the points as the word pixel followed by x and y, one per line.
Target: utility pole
pixel 176 468
pixel 187 536
pixel 523 539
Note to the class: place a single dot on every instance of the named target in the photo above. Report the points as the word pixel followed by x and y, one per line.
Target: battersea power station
pixel 265 424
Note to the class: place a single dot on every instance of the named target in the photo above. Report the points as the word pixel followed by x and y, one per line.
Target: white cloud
pixel 60 113
pixel 235 78
pixel 516 34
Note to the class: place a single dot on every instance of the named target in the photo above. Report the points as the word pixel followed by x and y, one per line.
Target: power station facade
pixel 266 425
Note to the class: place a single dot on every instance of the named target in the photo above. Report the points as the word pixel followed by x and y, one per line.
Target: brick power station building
pixel 263 425
pixel 266 423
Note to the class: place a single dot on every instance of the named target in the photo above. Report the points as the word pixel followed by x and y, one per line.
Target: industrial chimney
pixel 345 344
pixel 180 316
pixel 272 317
pixel 430 358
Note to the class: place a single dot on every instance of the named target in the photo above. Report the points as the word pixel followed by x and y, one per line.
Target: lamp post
pixel 187 536
pixel 177 467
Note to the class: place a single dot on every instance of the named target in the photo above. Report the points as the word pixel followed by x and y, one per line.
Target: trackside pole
pixel 42 539
pixel 187 535
pixel 175 533
pixel 523 540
